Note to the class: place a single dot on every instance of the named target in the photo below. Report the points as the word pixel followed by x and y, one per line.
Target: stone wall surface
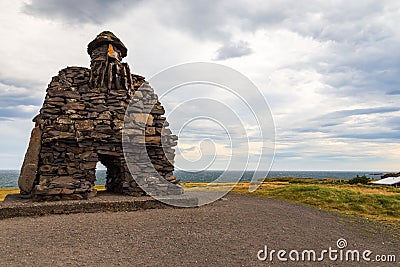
pixel 100 114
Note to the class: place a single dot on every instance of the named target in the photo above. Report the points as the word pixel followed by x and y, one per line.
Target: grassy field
pixel 368 201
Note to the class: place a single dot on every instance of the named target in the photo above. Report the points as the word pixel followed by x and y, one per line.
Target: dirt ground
pixel 229 232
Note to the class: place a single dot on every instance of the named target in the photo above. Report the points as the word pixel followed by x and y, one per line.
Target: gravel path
pixel 228 232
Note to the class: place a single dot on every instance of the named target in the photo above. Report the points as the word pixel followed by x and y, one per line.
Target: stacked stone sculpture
pixel 101 114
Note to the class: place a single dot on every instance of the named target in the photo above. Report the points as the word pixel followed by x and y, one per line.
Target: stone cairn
pixel 102 114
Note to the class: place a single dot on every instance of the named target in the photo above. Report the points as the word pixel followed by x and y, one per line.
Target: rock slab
pixel 31 160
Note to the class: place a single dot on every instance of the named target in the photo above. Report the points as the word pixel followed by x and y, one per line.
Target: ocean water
pixel 9 178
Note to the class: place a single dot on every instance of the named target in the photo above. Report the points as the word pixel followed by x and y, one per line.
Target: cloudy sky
pixel 330 70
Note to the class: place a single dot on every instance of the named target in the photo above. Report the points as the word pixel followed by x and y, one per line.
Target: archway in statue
pixel 101 175
pixel 113 179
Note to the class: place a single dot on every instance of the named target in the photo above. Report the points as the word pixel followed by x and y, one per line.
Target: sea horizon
pixel 297 170
pixel 9 178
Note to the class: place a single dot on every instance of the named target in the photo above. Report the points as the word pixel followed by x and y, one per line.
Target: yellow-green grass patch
pixel 6 191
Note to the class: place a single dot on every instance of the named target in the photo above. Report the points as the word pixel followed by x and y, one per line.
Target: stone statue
pixel 81 123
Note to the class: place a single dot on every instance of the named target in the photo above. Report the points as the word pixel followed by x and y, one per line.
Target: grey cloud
pixel 342 22
pixel 323 20
pixel 354 82
pixel 320 20
pixel 376 127
pixel 19 100
pixel 209 19
pixel 6 80
pixel 76 11
pixel 212 20
pixel 370 70
pixel 393 123
pixel 232 50
pixel 362 55
pixel 362 50
pixel 5 119
pixel 16 112
pixel 202 19
pixel 192 148
pixel 394 92
pixel 345 25
pixel 310 130
pixel 286 154
pixel 329 124
pixel 353 112
pixel 315 154
pixel 18 97
pixel 371 136
pixel 191 134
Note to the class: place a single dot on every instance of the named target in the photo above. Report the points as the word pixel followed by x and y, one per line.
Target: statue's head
pixel 106 45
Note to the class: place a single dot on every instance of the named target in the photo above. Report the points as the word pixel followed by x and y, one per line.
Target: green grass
pixel 368 201
pixel 374 203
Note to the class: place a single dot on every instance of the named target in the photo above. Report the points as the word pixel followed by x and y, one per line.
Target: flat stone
pixel 153 139
pixel 31 160
pixel 64 120
pixel 73 106
pixel 143 118
pixel 84 125
pixel 150 130
pixel 110 153
pixel 70 197
pixel 88 165
pixel 66 191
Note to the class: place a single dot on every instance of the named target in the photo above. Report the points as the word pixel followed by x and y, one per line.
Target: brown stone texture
pixel 85 119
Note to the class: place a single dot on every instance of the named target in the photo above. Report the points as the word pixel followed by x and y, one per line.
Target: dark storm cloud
pixel 77 11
